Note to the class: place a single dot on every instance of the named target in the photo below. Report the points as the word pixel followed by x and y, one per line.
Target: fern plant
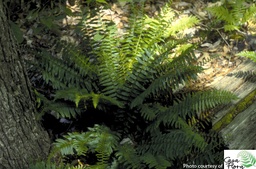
pixel 138 80
pixel 234 14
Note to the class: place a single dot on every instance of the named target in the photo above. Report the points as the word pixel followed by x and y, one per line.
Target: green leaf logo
pixel 247 159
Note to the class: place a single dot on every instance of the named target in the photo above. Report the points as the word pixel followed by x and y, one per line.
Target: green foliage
pixel 233 13
pixel 99 140
pixel 139 77
pixel 61 109
pixel 248 54
pixel 192 105
pixel 250 75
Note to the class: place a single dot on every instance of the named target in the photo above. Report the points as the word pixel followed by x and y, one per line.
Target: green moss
pixel 233 112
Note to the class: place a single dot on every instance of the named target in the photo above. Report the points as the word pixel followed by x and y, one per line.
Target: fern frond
pixel 202 101
pixel 62 74
pixel 222 13
pixel 234 14
pixel 172 79
pixel 249 13
pixel 112 71
pixel 248 54
pixel 249 76
pixel 150 111
pixel 229 27
pixel 213 152
pixel 98 139
pixel 168 144
pixel 72 142
pixel 80 62
pixel 131 159
pixel 209 156
pixel 155 161
pixel 181 25
pixel 192 105
pixel 128 157
pixel 159 70
pixel 77 95
pixel 60 109
pixel 141 74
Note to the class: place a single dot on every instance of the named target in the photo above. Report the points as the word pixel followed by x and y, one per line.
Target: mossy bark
pixel 22 139
pixel 233 112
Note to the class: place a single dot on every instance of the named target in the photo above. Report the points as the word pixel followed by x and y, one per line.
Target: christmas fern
pixel 139 78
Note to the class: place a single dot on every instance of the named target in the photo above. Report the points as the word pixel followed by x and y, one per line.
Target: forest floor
pixel 217 50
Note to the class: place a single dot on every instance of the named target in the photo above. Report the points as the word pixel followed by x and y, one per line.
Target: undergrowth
pixel 130 94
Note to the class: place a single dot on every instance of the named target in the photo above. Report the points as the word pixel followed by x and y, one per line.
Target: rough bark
pixel 22 139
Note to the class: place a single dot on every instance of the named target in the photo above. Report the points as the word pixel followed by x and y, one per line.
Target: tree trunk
pixel 22 139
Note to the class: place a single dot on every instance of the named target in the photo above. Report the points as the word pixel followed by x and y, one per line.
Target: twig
pixel 224 39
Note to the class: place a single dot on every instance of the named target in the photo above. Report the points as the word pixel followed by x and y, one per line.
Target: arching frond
pixel 249 76
pixel 63 74
pixel 99 140
pixel 168 144
pixel 192 105
pixel 248 54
